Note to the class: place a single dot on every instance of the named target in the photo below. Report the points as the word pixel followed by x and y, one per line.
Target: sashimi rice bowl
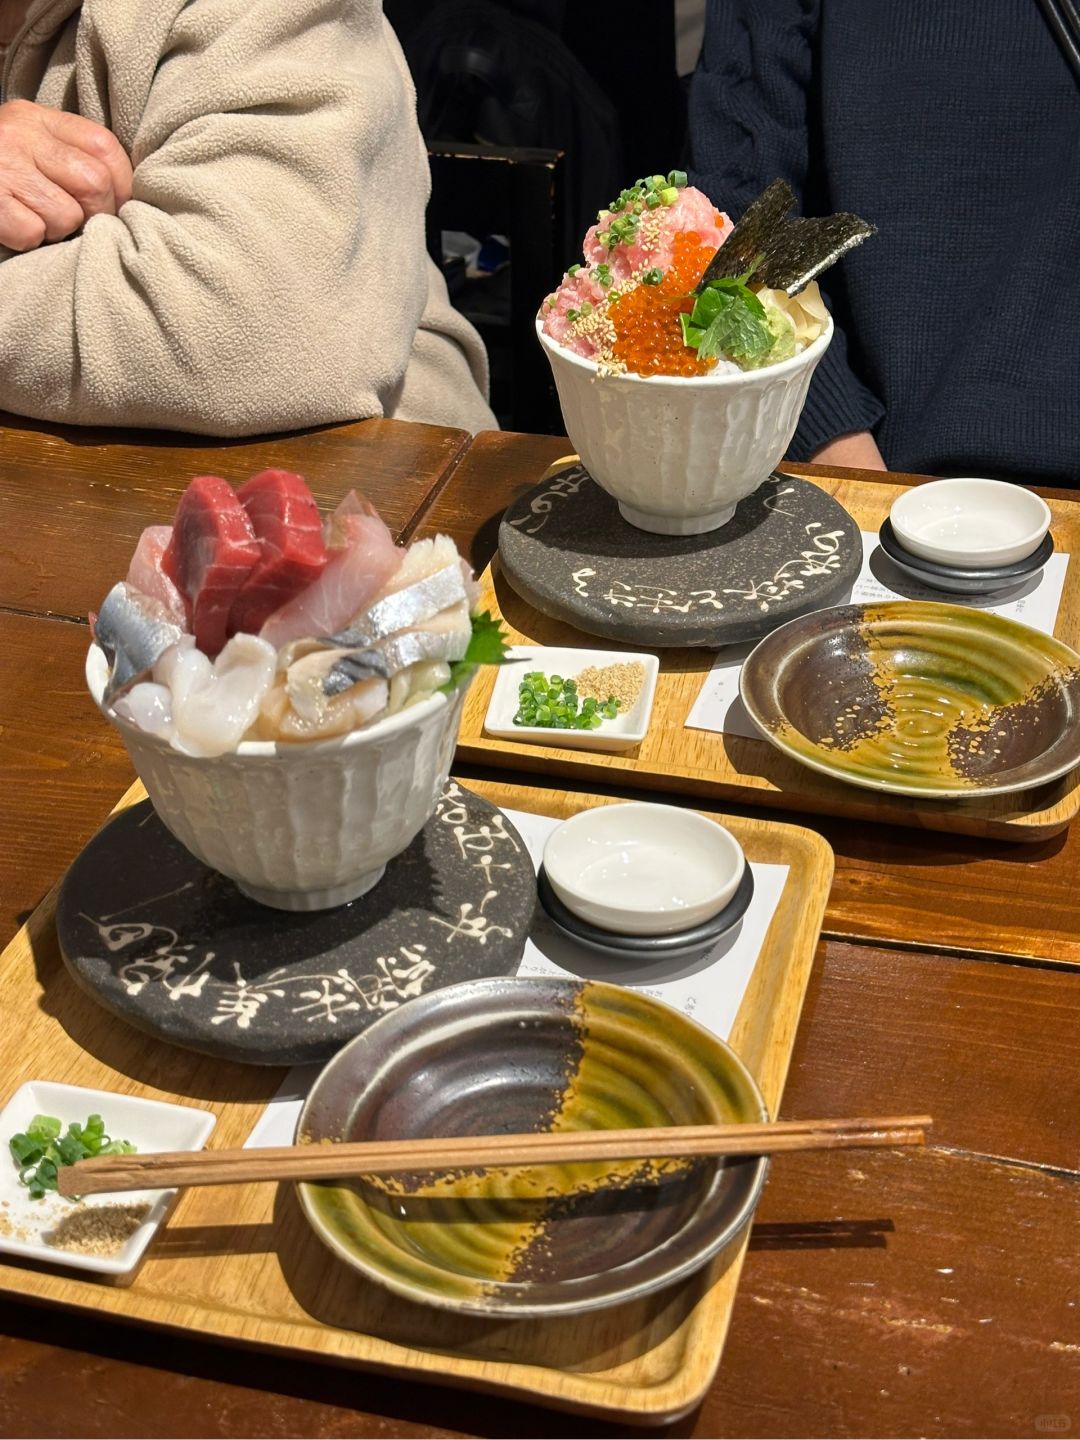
pixel 289 688
pixel 682 346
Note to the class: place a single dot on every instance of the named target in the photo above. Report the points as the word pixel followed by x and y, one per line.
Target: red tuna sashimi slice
pixel 362 561
pixel 288 527
pixel 146 574
pixel 212 552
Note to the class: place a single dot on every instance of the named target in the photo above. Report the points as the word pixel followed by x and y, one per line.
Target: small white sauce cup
pixel 642 869
pixel 970 522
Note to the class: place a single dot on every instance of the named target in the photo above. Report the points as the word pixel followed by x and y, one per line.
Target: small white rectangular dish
pixel 150 1125
pixel 623 733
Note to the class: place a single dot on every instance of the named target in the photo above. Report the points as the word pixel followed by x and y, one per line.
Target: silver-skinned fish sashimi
pixel 365 629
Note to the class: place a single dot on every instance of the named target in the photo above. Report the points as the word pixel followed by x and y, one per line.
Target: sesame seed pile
pixel 8 1228
pixel 97 1229
pixel 621 681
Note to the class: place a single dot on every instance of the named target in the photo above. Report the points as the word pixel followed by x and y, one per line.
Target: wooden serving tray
pixel 242 1265
pixel 734 768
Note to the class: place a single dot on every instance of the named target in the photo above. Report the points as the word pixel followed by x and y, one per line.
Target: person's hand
pixel 858 450
pixel 56 171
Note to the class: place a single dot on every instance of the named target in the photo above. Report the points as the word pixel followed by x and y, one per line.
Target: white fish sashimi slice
pixel 428 557
pixel 363 703
pixel 358 569
pixel 146 574
pixel 149 707
pixel 423 558
pixel 472 588
pixel 455 623
pixel 210 716
pixel 410 686
pixel 182 669
pixel 305 679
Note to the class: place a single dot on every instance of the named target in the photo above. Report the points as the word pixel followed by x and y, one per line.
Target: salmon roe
pixel 648 333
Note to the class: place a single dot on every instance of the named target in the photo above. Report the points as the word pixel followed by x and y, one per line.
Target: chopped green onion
pixel 653 201
pixel 669 195
pixel 572 315
pixel 677 178
pixel 554 704
pixel 41 1150
pixel 574 270
pixel 652 277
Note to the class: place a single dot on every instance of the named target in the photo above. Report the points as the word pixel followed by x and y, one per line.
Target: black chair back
pixel 517 193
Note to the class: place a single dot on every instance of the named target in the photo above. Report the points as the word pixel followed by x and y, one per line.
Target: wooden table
pixel 922 1295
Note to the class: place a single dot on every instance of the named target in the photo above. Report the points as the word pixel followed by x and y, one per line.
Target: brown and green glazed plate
pixel 925 699
pixel 505 1055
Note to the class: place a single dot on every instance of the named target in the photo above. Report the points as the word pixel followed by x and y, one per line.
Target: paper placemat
pixel 709 986
pixel 719 707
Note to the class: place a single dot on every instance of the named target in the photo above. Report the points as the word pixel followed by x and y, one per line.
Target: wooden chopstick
pixel 165 1170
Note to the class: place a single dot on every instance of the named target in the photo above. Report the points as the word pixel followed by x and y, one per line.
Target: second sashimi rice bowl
pixel 682 346
pixel 289 690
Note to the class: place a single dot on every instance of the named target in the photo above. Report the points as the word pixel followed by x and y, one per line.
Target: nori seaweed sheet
pixel 789 252
pixel 748 239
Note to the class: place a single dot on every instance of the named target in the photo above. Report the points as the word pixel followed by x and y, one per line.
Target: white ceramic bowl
pixel 303 826
pixel 642 869
pixel 970 522
pixel 679 453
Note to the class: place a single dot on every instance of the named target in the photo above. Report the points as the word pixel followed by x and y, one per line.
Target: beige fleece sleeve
pixel 269 272
pixel 447 376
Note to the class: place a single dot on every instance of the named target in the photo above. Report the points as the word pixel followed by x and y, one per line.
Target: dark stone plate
pixel 567 551
pixel 918 697
pixel 646 947
pixel 956 580
pixel 525 1055
pixel 175 949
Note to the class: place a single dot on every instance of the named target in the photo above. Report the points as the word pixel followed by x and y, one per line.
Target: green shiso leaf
pixel 487 646
pixel 728 319
pixel 691 333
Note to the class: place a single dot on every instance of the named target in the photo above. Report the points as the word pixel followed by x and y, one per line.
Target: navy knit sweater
pixel 954 126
